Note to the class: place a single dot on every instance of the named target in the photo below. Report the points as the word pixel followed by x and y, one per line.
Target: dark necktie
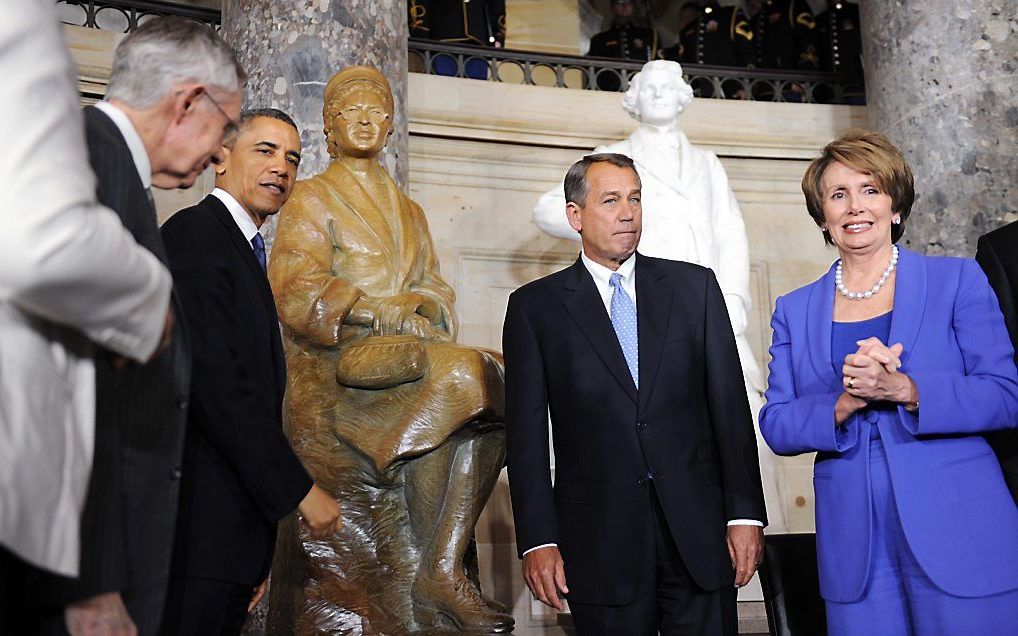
pixel 258 243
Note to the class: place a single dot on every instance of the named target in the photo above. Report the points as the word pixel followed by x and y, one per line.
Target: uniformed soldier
pixel 706 40
pixel 840 39
pixel 781 34
pixel 684 50
pixel 473 22
pixel 624 40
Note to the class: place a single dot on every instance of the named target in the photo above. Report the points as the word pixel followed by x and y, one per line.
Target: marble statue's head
pixel 358 112
pixel 657 94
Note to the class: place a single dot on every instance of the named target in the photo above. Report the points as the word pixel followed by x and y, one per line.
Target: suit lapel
pixel 587 309
pixel 654 302
pixel 819 315
pixel 909 301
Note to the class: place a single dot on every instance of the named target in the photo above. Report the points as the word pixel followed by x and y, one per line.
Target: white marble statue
pixel 689 214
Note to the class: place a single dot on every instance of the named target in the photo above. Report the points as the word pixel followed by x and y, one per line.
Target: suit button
pixel 872 417
pixel 642 481
pixel 181 403
pixel 641 425
pixel 175 474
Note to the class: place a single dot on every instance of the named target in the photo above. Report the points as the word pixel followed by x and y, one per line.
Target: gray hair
pixel 165 52
pixel 576 179
pixel 630 101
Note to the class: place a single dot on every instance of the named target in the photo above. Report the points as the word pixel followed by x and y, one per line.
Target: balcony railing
pixel 591 73
pixel 521 67
pixel 123 16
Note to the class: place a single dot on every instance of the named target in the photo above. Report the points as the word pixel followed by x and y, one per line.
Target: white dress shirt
pixel 239 214
pixel 70 276
pixel 602 277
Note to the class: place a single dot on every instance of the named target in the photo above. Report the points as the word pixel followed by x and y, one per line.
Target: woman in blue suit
pixel 891 367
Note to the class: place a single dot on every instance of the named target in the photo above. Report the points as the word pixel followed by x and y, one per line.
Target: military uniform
pixel 472 22
pixel 783 35
pixel 839 34
pixel 623 41
pixel 477 22
pixel 707 40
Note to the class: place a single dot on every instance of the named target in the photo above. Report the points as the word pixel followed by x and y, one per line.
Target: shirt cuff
pixel 745 522
pixel 538 547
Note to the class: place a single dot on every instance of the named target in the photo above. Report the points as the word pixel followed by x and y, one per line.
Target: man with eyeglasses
pixel 175 90
pixel 241 477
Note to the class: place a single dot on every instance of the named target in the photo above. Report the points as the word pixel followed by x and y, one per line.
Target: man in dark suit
pixel 148 132
pixel 624 40
pixel 997 254
pixel 654 446
pixel 240 474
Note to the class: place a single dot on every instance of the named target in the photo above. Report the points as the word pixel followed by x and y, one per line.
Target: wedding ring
pixel 851 383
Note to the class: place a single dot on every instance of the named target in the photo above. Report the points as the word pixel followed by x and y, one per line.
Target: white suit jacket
pixel 70 275
pixel 689 214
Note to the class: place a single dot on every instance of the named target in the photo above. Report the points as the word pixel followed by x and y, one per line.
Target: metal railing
pixel 592 73
pixel 521 67
pixel 123 16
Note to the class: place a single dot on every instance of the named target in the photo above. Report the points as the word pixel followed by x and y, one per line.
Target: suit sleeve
pixel 984 396
pixel 526 427
pixel 227 407
pixel 996 274
pixel 731 422
pixel 63 257
pixel 793 424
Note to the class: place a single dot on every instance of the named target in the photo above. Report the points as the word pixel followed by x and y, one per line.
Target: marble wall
pixel 941 77
pixel 481 153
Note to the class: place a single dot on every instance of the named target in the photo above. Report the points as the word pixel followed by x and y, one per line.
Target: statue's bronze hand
pixel 393 314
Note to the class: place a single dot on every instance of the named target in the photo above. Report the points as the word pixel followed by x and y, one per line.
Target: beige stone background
pixel 481 153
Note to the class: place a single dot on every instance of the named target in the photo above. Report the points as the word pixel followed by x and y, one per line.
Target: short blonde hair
pixel 869 152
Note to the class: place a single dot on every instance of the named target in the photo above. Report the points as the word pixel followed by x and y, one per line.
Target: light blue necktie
pixel 624 322
pixel 258 243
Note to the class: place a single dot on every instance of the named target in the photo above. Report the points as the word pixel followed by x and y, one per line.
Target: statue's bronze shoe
pixel 459 603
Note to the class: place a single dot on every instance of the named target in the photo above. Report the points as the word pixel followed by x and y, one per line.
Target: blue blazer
pixel 955 509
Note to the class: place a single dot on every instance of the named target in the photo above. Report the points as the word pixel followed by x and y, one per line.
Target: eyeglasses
pixel 231 124
pixel 355 113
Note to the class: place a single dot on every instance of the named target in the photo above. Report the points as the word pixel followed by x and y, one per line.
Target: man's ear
pixel 573 215
pixel 185 98
pixel 219 162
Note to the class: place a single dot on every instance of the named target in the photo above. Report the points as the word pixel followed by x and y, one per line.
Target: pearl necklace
pixel 851 295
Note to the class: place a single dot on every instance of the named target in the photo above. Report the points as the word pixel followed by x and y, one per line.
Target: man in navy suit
pixel 656 513
pixel 240 474
pixel 997 254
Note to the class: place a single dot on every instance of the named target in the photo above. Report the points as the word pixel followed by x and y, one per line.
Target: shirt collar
pixel 133 139
pixel 239 214
pixel 603 275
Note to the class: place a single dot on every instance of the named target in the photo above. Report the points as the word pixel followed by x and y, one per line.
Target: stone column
pixel 291 49
pixel 940 81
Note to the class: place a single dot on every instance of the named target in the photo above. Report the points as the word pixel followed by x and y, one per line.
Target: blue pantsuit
pixel 916 530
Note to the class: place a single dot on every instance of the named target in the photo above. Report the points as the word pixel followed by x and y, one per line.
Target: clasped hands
pixel 871 374
pixel 407 313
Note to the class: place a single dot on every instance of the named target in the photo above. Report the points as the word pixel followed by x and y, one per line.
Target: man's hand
pixel 545 574
pixel 745 547
pixel 103 615
pixel 319 513
pixel 259 592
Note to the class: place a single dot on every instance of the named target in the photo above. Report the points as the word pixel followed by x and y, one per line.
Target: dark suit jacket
pixel 240 474
pixel 689 425
pixel 997 254
pixel 130 513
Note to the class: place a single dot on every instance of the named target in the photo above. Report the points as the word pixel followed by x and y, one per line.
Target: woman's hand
pixel 845 406
pixel 871 374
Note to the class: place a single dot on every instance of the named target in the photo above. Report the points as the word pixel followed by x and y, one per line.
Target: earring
pixel 897 220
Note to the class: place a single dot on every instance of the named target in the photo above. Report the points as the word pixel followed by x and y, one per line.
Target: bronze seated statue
pixel 403 425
